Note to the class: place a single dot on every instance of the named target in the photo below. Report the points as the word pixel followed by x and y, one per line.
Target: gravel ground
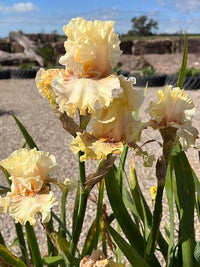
pixel 22 98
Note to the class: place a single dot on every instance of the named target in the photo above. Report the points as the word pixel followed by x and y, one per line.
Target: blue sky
pixel 46 16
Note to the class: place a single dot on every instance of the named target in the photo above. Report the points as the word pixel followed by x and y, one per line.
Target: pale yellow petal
pixel 174 109
pixel 29 169
pixel 26 163
pixel 172 106
pixel 23 209
pixel 43 82
pixel 187 133
pixel 94 148
pixel 116 123
pixel 84 93
pixel 92 48
pixel 131 97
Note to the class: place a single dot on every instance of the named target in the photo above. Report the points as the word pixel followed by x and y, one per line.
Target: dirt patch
pixel 166 63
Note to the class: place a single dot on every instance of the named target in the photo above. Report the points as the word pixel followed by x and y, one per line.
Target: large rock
pixel 28 54
pixel 5 45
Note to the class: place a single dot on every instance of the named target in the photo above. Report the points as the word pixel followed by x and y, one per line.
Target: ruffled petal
pixel 92 48
pixel 131 97
pixel 94 148
pixel 83 93
pixel 172 106
pixel 116 124
pixel 43 82
pixel 24 208
pixel 29 169
pixel 187 133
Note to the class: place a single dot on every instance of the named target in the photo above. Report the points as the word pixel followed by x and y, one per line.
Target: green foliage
pixel 26 66
pixel 48 55
pixel 8 259
pixel 142 26
pixel 183 65
pixel 148 71
pixel 191 72
pixel 0 66
pixel 117 67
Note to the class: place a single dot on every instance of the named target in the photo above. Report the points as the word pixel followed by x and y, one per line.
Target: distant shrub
pixel 191 72
pixel 148 71
pixel 0 66
pixel 117 67
pixel 48 55
pixel 26 66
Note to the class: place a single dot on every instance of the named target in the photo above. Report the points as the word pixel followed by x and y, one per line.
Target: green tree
pixel 142 26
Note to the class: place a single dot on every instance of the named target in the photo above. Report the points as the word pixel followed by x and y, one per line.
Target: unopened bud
pixel 161 171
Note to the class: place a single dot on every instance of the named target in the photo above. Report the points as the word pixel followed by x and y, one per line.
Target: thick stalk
pixel 81 212
pixel 99 213
pixel 63 213
pixel 22 243
pixel 33 244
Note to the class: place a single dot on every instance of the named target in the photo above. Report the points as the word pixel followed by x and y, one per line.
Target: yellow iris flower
pixel 92 50
pixel 29 194
pixel 174 110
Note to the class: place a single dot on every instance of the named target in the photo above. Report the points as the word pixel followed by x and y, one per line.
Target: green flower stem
pixel 99 213
pixel 120 168
pixel 52 251
pixel 22 243
pixel 63 213
pixel 81 212
pixel 151 243
pixel 76 206
pixel 33 245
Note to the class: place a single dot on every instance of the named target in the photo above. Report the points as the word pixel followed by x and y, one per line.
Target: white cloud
pixel 103 13
pixel 18 8
pixel 188 6
pixel 185 6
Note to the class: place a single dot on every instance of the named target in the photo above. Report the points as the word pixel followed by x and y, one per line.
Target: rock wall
pixel 41 38
pixel 159 46
pixel 137 47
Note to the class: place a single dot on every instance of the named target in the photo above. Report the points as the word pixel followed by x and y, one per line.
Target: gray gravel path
pixel 22 98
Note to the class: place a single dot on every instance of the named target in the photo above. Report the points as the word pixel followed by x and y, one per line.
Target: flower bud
pixel 161 171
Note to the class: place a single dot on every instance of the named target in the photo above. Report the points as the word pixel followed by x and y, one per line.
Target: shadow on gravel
pixel 6 112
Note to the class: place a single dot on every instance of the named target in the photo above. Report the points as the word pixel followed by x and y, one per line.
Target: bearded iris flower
pixel 172 115
pixel 92 50
pixel 29 191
